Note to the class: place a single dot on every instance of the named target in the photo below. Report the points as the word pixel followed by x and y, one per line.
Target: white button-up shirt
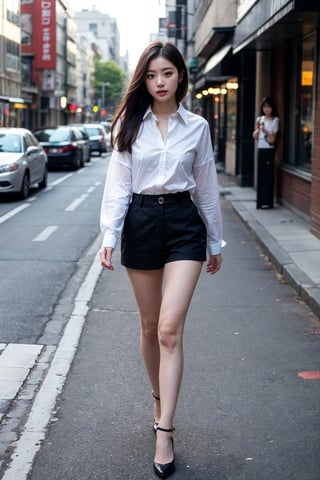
pixel 182 162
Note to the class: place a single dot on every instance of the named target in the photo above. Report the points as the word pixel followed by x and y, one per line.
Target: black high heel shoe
pixel 164 470
pixel 155 424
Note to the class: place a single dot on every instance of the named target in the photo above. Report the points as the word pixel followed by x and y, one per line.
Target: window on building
pixel 13 11
pixel 26 70
pixel 300 105
pixel 12 55
pixel 93 27
pixel 26 28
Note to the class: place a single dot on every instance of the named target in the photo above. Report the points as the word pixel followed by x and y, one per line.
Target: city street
pixel 42 241
pixel 244 412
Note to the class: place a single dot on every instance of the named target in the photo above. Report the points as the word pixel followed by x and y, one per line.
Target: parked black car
pixel 63 145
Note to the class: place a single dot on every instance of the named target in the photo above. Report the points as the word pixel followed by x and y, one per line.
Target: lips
pixel 161 92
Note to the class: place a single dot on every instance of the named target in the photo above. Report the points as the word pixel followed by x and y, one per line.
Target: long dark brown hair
pixel 137 99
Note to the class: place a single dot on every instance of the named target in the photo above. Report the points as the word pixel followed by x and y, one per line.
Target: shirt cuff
pixel 109 241
pixel 214 248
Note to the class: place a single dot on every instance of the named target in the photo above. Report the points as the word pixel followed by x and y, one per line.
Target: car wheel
pixel 25 187
pixel 81 160
pixel 77 163
pixel 43 182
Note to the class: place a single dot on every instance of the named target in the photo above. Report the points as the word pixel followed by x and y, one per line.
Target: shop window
pixel 232 115
pixel 300 105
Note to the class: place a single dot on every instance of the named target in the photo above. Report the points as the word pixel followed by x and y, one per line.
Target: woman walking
pixel 161 197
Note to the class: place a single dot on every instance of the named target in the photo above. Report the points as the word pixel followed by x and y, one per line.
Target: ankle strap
pixel 165 429
pixel 155 396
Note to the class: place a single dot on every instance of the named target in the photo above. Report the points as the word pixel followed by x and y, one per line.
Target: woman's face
pixel 162 79
pixel 267 109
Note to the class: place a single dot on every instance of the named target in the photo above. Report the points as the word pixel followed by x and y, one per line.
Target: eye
pixel 150 76
pixel 168 73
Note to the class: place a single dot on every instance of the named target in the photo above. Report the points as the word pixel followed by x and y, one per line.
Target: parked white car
pixel 23 162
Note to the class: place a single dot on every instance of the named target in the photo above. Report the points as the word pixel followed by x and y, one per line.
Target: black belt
pixel 162 199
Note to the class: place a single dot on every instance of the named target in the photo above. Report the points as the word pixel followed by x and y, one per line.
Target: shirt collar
pixel 181 112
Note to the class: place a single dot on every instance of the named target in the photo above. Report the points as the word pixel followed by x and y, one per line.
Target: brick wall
pixel 296 191
pixel 315 185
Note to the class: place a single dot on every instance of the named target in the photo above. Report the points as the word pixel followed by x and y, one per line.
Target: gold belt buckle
pixel 161 200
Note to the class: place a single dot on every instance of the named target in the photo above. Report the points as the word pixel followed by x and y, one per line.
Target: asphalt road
pixel 244 413
pixel 43 244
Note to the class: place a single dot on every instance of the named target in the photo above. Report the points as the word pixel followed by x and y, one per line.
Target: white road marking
pixel 60 180
pixel 34 431
pixel 14 212
pixel 75 204
pixel 45 234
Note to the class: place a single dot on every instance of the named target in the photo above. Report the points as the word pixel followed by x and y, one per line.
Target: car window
pixel 27 141
pixel 52 135
pixel 92 131
pixel 33 140
pixel 84 134
pixel 76 132
pixel 10 143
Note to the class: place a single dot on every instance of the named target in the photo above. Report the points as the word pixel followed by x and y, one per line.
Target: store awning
pixel 269 25
pixel 217 58
pixel 219 68
pixel 13 100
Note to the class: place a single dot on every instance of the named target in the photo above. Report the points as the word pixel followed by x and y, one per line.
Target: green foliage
pixel 110 78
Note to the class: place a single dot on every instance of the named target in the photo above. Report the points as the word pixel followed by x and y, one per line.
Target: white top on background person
pixel 183 162
pixel 267 126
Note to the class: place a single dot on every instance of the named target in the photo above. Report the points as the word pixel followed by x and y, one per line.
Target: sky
pixel 136 19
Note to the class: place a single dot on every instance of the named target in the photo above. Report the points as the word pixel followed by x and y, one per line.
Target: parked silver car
pixel 23 162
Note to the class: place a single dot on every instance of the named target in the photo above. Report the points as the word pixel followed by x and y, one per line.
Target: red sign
pixel 45 34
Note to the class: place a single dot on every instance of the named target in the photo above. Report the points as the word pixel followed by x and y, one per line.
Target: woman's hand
pixel 214 264
pixel 105 257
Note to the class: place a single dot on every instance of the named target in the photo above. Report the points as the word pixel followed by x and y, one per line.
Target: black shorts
pixel 162 228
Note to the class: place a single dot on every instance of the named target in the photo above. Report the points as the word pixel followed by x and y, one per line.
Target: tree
pixel 109 82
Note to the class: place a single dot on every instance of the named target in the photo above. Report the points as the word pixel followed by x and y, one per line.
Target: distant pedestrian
pixel 267 127
pixel 161 196
pixel 197 111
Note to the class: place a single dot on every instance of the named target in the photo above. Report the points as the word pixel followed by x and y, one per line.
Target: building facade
pixel 242 51
pixel 12 105
pixel 103 32
pixel 49 60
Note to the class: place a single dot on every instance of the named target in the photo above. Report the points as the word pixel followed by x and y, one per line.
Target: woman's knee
pixel 149 331
pixel 169 337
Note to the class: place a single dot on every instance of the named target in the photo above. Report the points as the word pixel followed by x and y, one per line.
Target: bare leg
pixel 180 279
pixel 162 323
pixel 147 288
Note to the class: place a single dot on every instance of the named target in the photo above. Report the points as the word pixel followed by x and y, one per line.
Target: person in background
pixel 267 127
pixel 161 197
pixel 197 111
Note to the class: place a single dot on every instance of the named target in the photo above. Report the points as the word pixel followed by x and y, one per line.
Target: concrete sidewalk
pixel 284 236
